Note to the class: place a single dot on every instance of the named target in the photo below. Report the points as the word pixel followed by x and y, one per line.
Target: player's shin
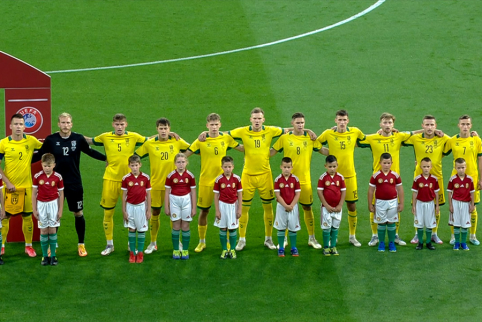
pixel 391 231
pixel 52 244
pixel 437 219
pixel 292 236
pixel 428 234
pixel 141 239
pixel 456 231
pixel 463 235
pixel 175 239
pixel 186 238
pixel 326 237
pixel 243 221
pixel 154 223
pixel 27 228
pixel 381 229
pixel 233 236
pixel 397 224
pixel 352 222
pixel 202 233
pixel 44 244
pixel 5 228
pixel 268 219
pixel 373 225
pixel 281 238
pixel 223 239
pixel 420 235
pixel 132 241
pixel 80 228
pixel 334 236
pixel 109 224
pixel 473 222
pixel 309 221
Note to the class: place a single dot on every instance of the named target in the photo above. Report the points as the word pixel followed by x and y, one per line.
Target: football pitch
pixel 186 59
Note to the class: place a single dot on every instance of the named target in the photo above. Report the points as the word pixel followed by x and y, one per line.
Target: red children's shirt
pixel 332 187
pixel 136 187
pixel 228 188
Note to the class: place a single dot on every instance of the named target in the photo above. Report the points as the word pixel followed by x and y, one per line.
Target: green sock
pixel 44 244
pixel 334 236
pixel 53 244
pixel 186 238
pixel 175 239
pixel 391 228
pixel 292 236
pixel 141 238
pixel 463 233
pixel 233 236
pixel 224 239
pixel 281 239
pixel 428 233
pixel 132 241
pixel 420 235
pixel 326 237
pixel 381 232
pixel 457 234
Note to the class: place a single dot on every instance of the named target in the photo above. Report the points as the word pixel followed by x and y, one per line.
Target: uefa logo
pixel 33 119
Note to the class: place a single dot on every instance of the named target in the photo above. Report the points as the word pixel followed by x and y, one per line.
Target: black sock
pixel 80 228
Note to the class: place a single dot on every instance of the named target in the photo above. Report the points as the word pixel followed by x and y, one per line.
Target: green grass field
pixel 407 57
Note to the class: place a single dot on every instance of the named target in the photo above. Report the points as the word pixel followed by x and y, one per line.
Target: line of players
pixel 297 143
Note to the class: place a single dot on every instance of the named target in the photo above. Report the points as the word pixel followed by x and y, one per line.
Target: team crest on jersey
pixel 157 148
pixel 127 142
pixel 234 185
pixel 263 137
pixel 222 144
pixel 41 182
pixel 467 185
pixel 53 184
pixel 26 147
pixel 391 180
pixel 305 144
pixel 380 180
pixel 456 186
pixel 291 143
pixel 187 180
pixel 33 119
pixel 337 183
pixel 327 183
pixel 392 142
pixel 223 186
pixel 171 148
pixel 430 185
pixel 420 185
pixel 74 145
pixel 131 183
pixel 175 180
pixel 142 183
pixel 291 185
pixel 281 185
pixel 208 145
pixel 435 143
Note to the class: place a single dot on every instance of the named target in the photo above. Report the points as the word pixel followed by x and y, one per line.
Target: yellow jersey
pixel 468 148
pixel 342 146
pixel 432 148
pixel 18 158
pixel 212 151
pixel 385 144
pixel 300 149
pixel 161 155
pixel 118 149
pixel 256 147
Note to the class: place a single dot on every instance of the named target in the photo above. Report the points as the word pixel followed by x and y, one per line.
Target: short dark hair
pixel 226 159
pixel 119 117
pixel 286 160
pixel 428 117
pixel 341 113
pixel 134 159
pixel 385 156
pixel 426 159
pixel 298 115
pixel 16 116
pixel 330 159
pixel 48 158
pixel 465 117
pixel 460 160
pixel 257 110
pixel 163 121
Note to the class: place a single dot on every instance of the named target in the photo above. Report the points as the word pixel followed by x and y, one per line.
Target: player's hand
pixel 202 137
pixel 288 208
pixel 238 214
pixel 59 215
pixel 337 208
pixel 193 212
pixel 11 187
pixel 400 207
pixel 437 209
pixel 218 215
pixel 471 208
pixel 148 214
pixel 479 185
pixel 451 209
pixel 371 208
pixel 35 214
pixel 126 216
pixel 439 133
pixel 312 135
pixel 474 133
pixel 175 135
pixel 167 211
pixel 2 214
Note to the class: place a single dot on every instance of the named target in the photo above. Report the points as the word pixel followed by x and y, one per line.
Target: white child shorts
pixel 47 214
pixel 287 219
pixel 386 211
pixel 136 217
pixel 228 216
pixel 461 215
pixel 425 215
pixel 180 207
pixel 330 219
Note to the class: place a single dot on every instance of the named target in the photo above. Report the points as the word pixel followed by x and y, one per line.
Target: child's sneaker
pixel 54 261
pixel 326 251
pixel 151 248
pixel 391 247
pixel 224 254
pixel 132 257
pixel 381 246
pixel 374 242
pixel 456 245
pixel 333 251
pixel 419 246
pixel 430 246
pixel 1 260
pixel 437 240
pixel 414 239
pixel 294 252
pixel 139 257
pixel 464 246
pixel 45 261
pixel 176 254
pixel 232 254
pixel 399 241
pixel 281 252
pixel 184 254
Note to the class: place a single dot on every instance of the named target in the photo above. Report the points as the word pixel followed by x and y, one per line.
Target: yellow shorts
pixel 27 205
pixel 441 192
pixel 351 189
pixel 306 195
pixel 157 198
pixel 263 183
pixel 205 197
pixel 111 192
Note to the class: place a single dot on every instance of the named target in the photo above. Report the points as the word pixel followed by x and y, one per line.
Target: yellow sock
pixel 109 223
pixel 268 219
pixel 352 220
pixel 473 222
pixel 5 228
pixel 373 225
pixel 437 219
pixel 309 221
pixel 397 224
pixel 243 221
pixel 154 222
pixel 452 230
pixel 27 228
pixel 202 231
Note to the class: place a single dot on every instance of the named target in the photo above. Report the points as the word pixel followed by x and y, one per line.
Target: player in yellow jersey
pixel 385 142
pixel 298 146
pixel 161 150
pixel 429 144
pixel 468 147
pixel 18 149
pixel 212 149
pixel 342 142
pixel 119 145
pixel 257 172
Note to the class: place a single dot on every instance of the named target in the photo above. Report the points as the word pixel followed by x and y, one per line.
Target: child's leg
pixel 326 237
pixel 223 238
pixel 428 234
pixel 457 234
pixel 382 228
pixel 132 240
pixel 53 240
pixel 420 235
pixel 186 235
pixel 233 236
pixel 281 238
pixel 141 239
pixel 463 235
pixel 292 236
pixel 391 228
pixel 44 241
pixel 176 228
pixel 334 236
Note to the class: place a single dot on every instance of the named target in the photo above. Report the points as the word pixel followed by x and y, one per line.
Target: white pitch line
pixel 358 15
